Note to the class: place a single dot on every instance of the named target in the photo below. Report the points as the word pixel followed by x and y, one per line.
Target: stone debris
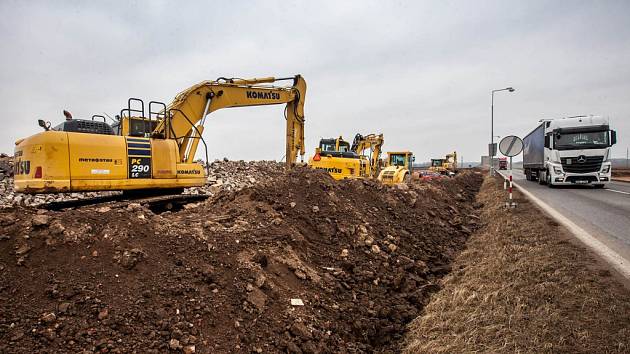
pixel 297 302
pixel 224 175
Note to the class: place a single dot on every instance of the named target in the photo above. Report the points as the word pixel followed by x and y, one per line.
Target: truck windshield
pixel 586 140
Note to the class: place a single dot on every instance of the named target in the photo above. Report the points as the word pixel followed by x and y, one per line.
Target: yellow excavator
pixel 398 168
pixel 152 149
pixel 342 160
pixel 445 166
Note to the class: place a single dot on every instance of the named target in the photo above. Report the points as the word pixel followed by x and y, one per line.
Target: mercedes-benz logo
pixel 581 159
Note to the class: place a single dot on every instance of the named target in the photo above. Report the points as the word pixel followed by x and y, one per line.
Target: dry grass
pixel 523 286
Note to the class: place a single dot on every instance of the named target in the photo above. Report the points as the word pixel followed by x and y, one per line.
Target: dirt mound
pixel 306 264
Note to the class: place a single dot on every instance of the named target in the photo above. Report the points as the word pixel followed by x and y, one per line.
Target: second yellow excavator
pixel 152 149
pixel 342 160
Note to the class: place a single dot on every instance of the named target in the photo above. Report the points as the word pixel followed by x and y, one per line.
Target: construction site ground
pixel 524 284
pixel 298 263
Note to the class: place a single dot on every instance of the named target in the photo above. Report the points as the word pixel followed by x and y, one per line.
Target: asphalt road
pixel 604 213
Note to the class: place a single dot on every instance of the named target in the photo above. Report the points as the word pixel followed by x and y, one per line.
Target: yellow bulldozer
pixel 445 166
pixel 148 147
pixel 342 160
pixel 398 168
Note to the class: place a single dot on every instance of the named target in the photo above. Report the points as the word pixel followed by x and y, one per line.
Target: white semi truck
pixel 568 151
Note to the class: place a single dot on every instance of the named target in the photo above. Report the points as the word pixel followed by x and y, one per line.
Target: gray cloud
pixel 419 72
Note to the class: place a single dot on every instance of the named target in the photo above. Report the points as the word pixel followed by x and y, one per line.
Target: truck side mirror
pixel 613 137
pixel 548 141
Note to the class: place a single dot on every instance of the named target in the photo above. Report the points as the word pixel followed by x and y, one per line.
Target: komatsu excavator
pixel 398 168
pixel 152 149
pixel 343 161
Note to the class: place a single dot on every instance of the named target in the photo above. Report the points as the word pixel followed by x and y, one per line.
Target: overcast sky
pixel 418 72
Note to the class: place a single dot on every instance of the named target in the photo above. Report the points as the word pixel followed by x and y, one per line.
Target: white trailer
pixel 567 151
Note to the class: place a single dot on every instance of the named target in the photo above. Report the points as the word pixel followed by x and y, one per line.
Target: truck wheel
pixel 548 179
pixel 541 177
pixel 528 175
pixel 598 186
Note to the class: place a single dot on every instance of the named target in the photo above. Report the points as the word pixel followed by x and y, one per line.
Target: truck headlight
pixel 557 170
pixel 606 169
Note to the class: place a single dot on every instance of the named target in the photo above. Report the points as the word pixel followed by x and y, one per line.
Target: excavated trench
pixel 299 264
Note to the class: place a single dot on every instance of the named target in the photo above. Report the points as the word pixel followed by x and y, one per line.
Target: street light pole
pixel 491 149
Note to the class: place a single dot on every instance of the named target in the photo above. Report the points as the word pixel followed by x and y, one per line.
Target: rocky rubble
pixel 6 165
pixel 223 175
pixel 304 264
pixel 236 175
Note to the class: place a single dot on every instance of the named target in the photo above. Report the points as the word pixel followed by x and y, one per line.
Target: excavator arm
pixel 374 142
pixel 185 116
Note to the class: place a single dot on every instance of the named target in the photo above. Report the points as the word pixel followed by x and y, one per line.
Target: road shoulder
pixel 522 284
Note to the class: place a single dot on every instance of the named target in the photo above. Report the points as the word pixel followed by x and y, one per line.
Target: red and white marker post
pixel 510 203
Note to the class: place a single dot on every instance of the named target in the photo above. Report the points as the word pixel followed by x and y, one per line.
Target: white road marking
pixel 616 191
pixel 611 257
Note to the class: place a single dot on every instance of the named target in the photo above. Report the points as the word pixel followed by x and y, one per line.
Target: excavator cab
pixel 402 159
pixel 399 168
pixel 336 148
pixel 437 162
pixel 133 121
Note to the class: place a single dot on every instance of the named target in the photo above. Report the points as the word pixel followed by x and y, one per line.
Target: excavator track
pixel 157 203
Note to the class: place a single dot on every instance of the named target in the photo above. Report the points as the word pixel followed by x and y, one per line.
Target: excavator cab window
pixel 397 160
pixel 141 127
pixel 344 146
pixel 327 145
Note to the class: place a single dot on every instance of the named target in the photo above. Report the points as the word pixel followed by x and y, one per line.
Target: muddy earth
pixel 298 263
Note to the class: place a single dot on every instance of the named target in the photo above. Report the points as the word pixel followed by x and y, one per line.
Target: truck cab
pixel 503 163
pixel 570 151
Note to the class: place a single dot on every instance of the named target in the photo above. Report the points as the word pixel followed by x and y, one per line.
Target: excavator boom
pixel 373 142
pixel 191 106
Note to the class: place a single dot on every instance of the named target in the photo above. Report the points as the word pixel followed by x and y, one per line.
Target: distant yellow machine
pixel 343 161
pixel 150 149
pixel 446 166
pixel 398 167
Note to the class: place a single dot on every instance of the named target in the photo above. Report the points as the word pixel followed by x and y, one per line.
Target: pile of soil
pixel 524 284
pixel 302 264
